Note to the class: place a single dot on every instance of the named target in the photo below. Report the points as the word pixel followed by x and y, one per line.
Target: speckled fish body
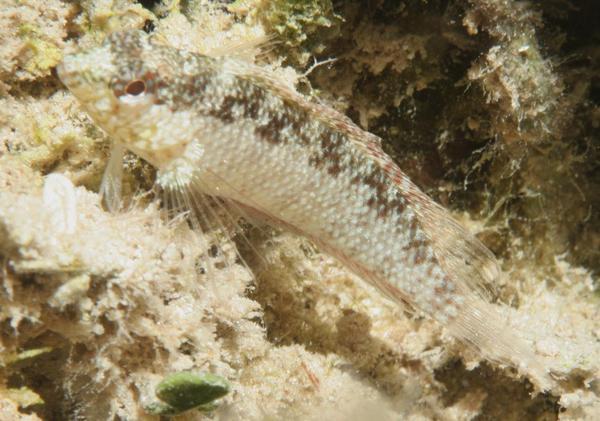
pixel 227 128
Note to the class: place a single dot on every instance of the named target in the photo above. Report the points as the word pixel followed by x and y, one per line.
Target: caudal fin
pixel 480 324
pixel 473 270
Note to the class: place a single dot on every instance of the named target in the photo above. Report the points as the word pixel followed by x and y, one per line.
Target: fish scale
pixel 227 128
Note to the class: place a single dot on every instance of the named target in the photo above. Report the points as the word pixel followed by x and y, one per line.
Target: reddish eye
pixel 135 87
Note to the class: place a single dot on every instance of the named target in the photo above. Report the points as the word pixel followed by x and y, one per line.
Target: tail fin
pixel 473 269
pixel 480 324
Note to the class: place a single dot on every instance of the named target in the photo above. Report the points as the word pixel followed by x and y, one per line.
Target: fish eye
pixel 135 87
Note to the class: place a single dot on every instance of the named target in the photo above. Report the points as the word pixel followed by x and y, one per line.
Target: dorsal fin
pixel 327 115
pixel 463 257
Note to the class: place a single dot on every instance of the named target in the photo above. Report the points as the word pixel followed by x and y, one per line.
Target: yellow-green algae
pixel 180 392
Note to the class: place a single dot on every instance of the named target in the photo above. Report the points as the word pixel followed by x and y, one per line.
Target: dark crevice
pixel 505 398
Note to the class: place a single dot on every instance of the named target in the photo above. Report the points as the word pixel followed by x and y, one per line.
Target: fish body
pixel 224 127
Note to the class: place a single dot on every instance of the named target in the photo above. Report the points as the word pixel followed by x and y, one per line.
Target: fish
pixel 226 128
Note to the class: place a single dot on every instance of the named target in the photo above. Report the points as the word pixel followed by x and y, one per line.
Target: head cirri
pixel 131 87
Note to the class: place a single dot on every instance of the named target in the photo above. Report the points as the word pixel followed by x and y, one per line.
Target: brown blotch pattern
pixel 279 120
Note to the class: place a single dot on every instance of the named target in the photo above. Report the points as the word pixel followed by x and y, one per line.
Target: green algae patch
pixel 183 391
pixel 42 55
pixel 303 26
pixel 24 356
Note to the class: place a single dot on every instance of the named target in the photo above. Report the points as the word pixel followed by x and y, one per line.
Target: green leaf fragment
pixel 162 408
pixel 25 355
pixel 184 391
